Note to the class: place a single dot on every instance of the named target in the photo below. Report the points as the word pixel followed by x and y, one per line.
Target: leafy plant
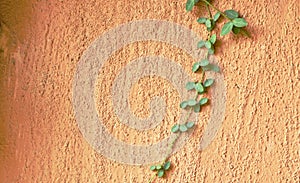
pixel 235 24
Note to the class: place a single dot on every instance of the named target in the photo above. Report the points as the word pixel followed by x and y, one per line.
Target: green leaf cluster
pixel 210 23
pixel 161 168
pixel 235 23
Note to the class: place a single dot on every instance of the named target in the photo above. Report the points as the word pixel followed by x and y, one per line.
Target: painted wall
pixel 43 41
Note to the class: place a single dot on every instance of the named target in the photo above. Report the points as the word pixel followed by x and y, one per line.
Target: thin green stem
pixel 207 7
pixel 152 178
pixel 209 4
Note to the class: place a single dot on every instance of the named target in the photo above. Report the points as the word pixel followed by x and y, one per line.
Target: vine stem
pixel 209 4
pixel 152 178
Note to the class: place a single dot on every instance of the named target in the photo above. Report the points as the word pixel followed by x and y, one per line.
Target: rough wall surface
pixel 42 42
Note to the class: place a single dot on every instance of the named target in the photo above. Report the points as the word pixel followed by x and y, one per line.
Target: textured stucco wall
pixel 42 42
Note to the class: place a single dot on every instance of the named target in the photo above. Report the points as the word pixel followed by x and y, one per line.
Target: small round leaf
pixel 208 82
pixel 192 102
pixel 183 104
pixel 232 14
pixel 208 23
pixel 197 108
pixel 190 85
pixel 153 167
pixel 158 167
pixel 201 44
pixel 211 67
pixel 213 38
pixel 190 124
pixel 236 30
pixel 167 165
pixel 183 128
pixel 199 88
pixel 208 44
pixel 201 20
pixel 160 173
pixel 204 62
pixel 211 51
pixel 203 101
pixel 239 22
pixel 175 128
pixel 196 67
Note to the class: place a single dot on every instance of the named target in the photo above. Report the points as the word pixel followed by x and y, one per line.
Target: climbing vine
pixel 235 24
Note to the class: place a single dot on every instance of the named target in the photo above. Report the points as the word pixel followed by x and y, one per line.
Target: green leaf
pixel 217 16
pixel 201 20
pixel 208 23
pixel 208 82
pixel 203 101
pixel 211 50
pixel 226 28
pixel 192 102
pixel 232 14
pixel 183 104
pixel 211 67
pixel 183 128
pixel 196 67
pixel 158 167
pixel 213 38
pixel 197 108
pixel 204 62
pixel 160 173
pixel 167 165
pixel 189 124
pixel 213 23
pixel 199 88
pixel 190 85
pixel 236 30
pixel 201 44
pixel 239 22
pixel 190 4
pixel 152 168
pixel 208 44
pixel 175 128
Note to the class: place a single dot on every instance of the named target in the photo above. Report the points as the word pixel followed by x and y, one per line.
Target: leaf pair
pixel 196 105
pixel 161 168
pixel 199 87
pixel 205 65
pixel 182 127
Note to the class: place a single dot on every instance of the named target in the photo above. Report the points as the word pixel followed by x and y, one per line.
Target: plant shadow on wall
pixel 234 23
